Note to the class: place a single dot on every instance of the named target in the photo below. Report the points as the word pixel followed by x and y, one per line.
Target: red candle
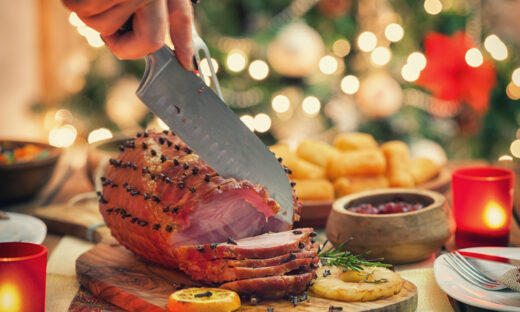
pixel 22 277
pixel 482 206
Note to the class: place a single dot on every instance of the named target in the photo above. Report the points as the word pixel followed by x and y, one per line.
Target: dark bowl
pixel 24 180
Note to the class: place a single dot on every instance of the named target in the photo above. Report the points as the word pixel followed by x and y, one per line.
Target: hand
pixel 151 17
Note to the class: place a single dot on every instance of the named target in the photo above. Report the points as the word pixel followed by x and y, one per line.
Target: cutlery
pixel 495 258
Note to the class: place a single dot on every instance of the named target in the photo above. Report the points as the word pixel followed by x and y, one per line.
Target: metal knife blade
pixel 204 122
pixel 488 257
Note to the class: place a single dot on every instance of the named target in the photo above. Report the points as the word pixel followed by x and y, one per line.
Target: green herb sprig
pixel 338 257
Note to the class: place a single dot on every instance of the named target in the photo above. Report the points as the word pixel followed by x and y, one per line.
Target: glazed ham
pixel 158 195
pixel 168 206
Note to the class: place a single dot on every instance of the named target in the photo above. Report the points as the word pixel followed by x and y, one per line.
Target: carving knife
pixel 203 121
pixel 488 257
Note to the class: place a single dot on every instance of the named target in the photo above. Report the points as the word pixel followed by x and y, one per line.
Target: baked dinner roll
pixel 356 163
pixel 354 141
pixel 302 169
pixel 397 158
pixel 315 189
pixel 282 150
pixel 423 169
pixel 317 152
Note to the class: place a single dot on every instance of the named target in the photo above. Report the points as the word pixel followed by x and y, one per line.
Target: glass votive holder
pixel 482 206
pixel 23 269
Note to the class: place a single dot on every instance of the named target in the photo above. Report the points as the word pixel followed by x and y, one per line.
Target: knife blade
pixel 494 258
pixel 203 121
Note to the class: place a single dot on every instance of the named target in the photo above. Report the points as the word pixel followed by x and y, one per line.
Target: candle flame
pixel 494 215
pixel 9 298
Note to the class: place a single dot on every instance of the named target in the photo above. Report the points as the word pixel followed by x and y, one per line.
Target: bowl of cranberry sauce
pixel 399 225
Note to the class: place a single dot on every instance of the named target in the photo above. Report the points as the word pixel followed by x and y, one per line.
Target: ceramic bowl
pixel 398 237
pixel 24 180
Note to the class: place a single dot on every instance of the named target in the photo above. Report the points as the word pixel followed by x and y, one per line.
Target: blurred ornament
pixel 296 50
pixel 449 77
pixel 428 149
pixel 343 112
pixel 123 107
pixel 379 95
pixel 335 8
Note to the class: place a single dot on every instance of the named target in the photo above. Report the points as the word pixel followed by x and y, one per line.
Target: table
pixel 76 182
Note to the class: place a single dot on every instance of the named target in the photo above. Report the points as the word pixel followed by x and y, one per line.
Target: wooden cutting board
pixel 116 275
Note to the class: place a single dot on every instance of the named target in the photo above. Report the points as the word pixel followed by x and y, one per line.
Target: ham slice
pixel 272 287
pixel 258 263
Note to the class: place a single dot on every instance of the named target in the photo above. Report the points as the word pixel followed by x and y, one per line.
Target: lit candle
pixel 22 277
pixel 482 205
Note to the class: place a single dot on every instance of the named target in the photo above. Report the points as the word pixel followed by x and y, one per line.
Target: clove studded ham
pixel 164 203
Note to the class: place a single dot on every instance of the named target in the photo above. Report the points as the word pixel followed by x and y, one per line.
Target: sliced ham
pixel 272 286
pixel 208 273
pixel 258 263
pixel 158 195
pixel 267 245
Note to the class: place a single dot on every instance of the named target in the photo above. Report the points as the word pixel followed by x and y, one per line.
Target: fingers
pixel 180 15
pixel 147 35
pixel 109 21
pixel 90 7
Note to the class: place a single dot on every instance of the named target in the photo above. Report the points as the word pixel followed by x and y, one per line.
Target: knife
pixel 494 258
pixel 203 121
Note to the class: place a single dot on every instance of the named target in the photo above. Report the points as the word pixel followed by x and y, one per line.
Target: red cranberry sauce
pixel 386 208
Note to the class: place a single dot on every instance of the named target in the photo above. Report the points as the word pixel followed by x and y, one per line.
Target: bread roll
pixel 316 189
pixel 302 169
pixel 282 150
pixel 423 169
pixel 317 152
pixel 345 186
pixel 356 163
pixel 397 158
pixel 354 141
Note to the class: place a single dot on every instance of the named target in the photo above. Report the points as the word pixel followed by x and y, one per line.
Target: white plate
pixel 456 287
pixel 22 228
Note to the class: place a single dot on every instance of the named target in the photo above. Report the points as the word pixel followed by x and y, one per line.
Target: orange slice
pixel 203 300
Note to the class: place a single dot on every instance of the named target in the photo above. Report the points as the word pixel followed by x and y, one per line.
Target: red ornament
pixel 450 78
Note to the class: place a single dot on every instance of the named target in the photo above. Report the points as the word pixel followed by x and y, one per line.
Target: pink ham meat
pixel 256 263
pixel 158 195
pixel 209 273
pixel 272 286
pixel 257 247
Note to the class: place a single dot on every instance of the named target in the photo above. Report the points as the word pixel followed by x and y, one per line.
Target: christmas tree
pixel 425 72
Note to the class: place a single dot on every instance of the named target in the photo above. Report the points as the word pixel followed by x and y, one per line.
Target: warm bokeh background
pixel 290 69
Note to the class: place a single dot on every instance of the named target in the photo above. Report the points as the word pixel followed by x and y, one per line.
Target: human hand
pixel 149 22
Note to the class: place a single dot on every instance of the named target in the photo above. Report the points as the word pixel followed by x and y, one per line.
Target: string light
pixel 505 158
pixel 258 70
pixel 74 20
pixel 249 121
pixel 432 7
pixel 341 48
pixel 280 103
pixel 474 57
pixel 204 66
pixel 381 56
pixel 394 32
pixel 367 41
pixel 162 124
pixel 513 91
pixel 417 61
pixel 262 122
pixel 515 76
pixel 63 136
pixel 350 84
pixel 93 37
pixel 236 60
pixel 328 64
pixel 515 148
pixel 311 105
pixel 100 134
pixel 410 73
pixel 496 47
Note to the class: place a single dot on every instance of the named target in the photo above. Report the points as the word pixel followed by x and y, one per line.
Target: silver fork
pixel 471 273
pixel 200 46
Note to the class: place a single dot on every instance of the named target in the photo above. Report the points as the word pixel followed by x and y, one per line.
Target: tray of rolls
pixel 354 162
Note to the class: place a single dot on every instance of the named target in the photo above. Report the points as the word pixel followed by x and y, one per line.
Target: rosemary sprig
pixel 337 257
